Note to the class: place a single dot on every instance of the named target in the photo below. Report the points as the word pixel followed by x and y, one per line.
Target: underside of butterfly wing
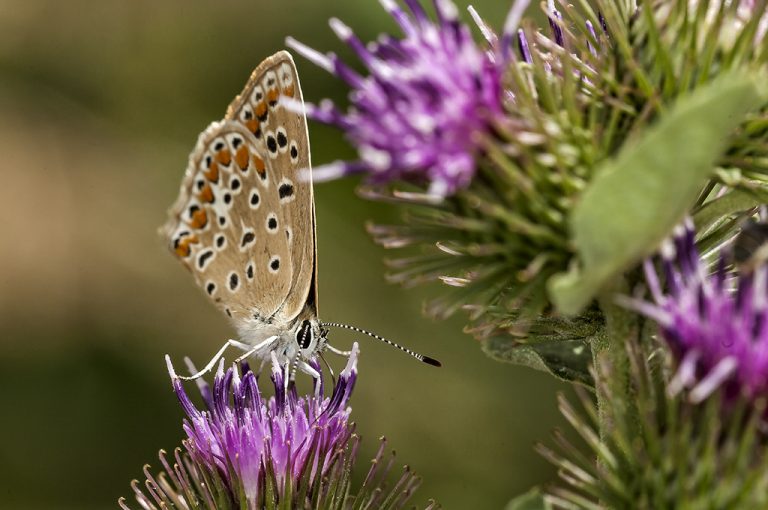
pixel 227 226
pixel 285 137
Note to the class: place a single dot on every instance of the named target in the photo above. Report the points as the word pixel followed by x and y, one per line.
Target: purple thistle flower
pixel 555 18
pixel 427 99
pixel 247 452
pixel 249 439
pixel 716 323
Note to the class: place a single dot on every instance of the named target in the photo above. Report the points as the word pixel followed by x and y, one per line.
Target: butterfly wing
pixel 244 220
pixel 225 225
pixel 285 136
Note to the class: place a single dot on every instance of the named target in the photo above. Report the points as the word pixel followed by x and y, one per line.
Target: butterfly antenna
pixel 294 368
pixel 420 357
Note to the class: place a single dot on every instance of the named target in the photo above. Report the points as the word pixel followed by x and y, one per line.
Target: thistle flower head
pixel 716 323
pixel 425 99
pixel 245 451
pixel 249 438
pixel 667 455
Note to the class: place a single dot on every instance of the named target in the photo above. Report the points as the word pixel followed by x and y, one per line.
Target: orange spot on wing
pixel 241 157
pixel 260 110
pixel 183 250
pixel 224 157
pixel 206 194
pixel 199 219
pixel 260 166
pixel 182 245
pixel 289 91
pixel 272 96
pixel 252 125
pixel 212 174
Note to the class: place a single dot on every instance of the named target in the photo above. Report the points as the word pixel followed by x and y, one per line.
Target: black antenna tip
pixel 431 361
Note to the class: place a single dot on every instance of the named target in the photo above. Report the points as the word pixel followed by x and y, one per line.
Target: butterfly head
pixel 310 338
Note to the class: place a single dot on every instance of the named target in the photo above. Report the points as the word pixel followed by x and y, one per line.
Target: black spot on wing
pixel 285 190
pixel 271 144
pixel 248 238
pixel 203 258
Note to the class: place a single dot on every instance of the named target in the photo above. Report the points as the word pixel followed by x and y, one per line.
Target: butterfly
pixel 244 223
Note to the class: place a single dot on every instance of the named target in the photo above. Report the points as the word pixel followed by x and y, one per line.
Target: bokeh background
pixel 100 103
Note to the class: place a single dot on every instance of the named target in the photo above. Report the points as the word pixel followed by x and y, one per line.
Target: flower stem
pixel 612 368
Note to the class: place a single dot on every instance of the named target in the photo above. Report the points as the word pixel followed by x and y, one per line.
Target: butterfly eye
pixel 304 335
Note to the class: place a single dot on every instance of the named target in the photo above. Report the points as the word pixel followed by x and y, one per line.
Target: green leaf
pixel 531 500
pixel 638 197
pixel 568 360
pixel 723 207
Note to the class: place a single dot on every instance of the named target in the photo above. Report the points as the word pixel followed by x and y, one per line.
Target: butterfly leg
pixel 307 369
pixel 261 366
pixel 250 350
pixel 338 351
pixel 216 357
pixel 289 372
pixel 330 368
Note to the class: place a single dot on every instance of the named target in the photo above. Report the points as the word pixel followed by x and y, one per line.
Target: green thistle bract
pixel 660 451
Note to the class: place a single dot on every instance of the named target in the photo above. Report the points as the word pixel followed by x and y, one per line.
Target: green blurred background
pixel 100 103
